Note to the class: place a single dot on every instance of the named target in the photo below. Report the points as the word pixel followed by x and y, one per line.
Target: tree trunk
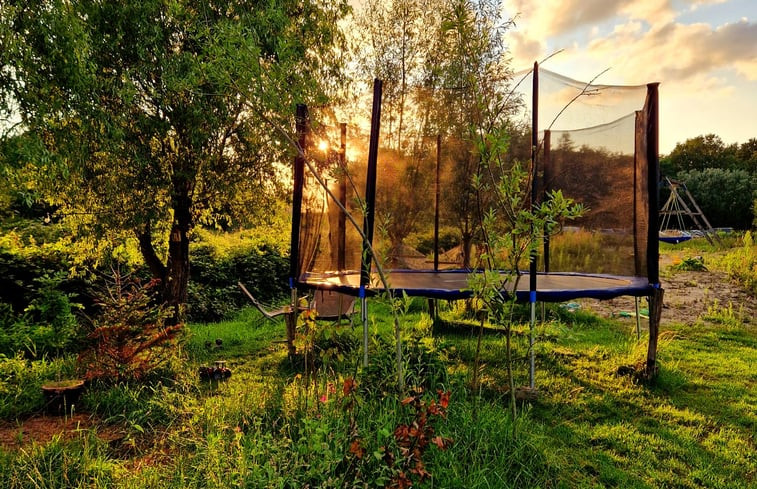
pixel 467 239
pixel 174 275
pixel 177 267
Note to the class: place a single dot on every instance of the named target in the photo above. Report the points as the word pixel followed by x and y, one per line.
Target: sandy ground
pixel 688 296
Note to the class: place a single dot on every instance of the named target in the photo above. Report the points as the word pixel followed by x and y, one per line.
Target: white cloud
pixel 708 73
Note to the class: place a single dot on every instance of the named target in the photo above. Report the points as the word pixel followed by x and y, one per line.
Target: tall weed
pixel 741 263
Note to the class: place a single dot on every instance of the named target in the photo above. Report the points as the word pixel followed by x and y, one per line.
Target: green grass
pixel 269 426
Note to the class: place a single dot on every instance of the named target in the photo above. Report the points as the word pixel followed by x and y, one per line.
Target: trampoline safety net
pixel 597 145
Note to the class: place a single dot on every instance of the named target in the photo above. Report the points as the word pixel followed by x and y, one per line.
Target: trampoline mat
pixel 453 284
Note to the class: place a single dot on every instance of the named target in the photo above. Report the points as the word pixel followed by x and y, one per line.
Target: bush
pixel 449 237
pixel 213 290
pixel 47 326
pixel 423 367
pixel 725 196
pixel 741 263
pixel 130 340
pixel 21 381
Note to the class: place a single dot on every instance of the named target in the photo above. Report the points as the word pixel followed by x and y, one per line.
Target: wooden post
pixel 655 313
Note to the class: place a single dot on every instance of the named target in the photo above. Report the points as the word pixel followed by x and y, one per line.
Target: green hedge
pixel 213 290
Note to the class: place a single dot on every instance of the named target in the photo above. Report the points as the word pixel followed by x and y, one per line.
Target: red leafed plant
pixel 130 338
pixel 413 439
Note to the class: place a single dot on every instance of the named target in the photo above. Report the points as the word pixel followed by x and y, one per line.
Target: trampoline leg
pixel 655 312
pixel 532 359
pixel 638 319
pixel 364 317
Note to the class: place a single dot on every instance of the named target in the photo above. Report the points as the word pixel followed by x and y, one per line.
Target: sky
pixel 703 53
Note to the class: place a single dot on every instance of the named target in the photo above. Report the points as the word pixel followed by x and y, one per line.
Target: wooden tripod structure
pixel 681 203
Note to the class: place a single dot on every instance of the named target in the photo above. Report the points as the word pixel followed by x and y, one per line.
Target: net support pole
pixel 653 179
pixel 298 174
pixel 546 163
pixel 653 245
pixel 342 223
pixel 534 196
pixel 436 201
pixel 364 319
pixel 370 205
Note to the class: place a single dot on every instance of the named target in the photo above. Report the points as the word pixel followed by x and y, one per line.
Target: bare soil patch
pixel 42 429
pixel 688 296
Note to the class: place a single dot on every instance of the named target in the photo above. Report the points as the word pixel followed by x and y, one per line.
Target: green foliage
pixel 47 326
pixel 187 101
pixel 741 263
pixel 726 196
pixel 449 237
pixel 213 290
pixel 702 152
pixel 139 406
pixel 60 464
pixel 423 367
pixel 693 264
pixel 21 381
pixel 266 427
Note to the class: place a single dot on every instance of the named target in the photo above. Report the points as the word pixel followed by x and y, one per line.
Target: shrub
pixel 213 291
pixel 741 263
pixel 449 237
pixel 725 196
pixel 423 367
pixel 47 326
pixel 130 339
pixel 21 381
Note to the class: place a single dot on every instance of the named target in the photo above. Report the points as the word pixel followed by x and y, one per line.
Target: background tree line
pixel 722 178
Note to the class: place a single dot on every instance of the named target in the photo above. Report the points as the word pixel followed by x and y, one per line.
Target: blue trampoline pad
pixel 453 284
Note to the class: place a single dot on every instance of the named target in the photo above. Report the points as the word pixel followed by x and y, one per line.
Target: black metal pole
pixel 436 201
pixel 370 184
pixel 653 178
pixel 534 196
pixel 546 161
pixel 301 126
pixel 342 224
pixel 534 175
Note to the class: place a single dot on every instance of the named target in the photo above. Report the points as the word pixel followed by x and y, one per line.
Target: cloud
pixel 678 52
pixel 554 18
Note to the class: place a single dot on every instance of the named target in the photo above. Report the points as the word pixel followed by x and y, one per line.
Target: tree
pixel 396 47
pixel 726 197
pixel 472 80
pixel 747 155
pixel 707 151
pixel 151 116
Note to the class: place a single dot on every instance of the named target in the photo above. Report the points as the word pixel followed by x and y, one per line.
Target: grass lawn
pixel 327 422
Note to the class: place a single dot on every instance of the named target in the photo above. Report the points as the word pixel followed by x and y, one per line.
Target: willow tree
pixel 154 115
pixel 471 83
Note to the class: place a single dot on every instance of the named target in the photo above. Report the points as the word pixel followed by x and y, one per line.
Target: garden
pixel 322 420
pixel 154 155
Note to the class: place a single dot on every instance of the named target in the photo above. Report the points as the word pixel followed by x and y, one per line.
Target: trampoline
pixel 600 149
pixel 453 284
